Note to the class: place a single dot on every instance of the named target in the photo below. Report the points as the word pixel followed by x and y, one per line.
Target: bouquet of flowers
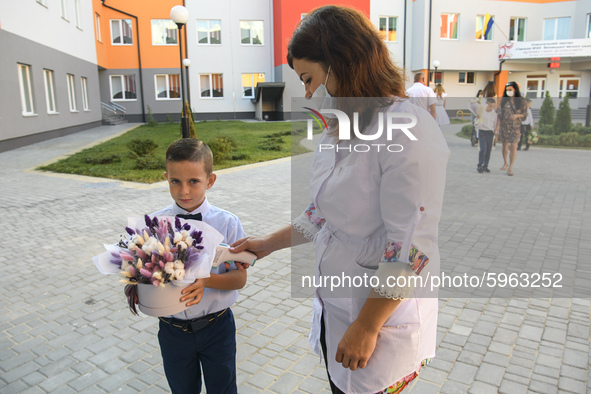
pixel 532 137
pixel 160 253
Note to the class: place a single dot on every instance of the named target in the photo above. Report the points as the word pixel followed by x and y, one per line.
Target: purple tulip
pixel 129 231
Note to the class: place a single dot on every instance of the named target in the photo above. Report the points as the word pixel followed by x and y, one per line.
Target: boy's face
pixel 188 182
pixel 490 107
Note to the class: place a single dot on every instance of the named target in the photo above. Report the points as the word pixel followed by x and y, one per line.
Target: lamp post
pixel 180 15
pixel 186 64
pixel 436 65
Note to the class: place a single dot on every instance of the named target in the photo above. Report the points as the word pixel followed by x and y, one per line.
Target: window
pixel 77 13
pixel 449 26
pixel 517 29
pixel 24 79
pixel 164 32
pixel 535 86
pixel 97 26
pixel 121 32
pixel 212 85
pixel 568 87
pixel 123 87
pixel 251 32
pixel 466 77
pixel 84 83
pixel 388 28
pixel 438 77
pixel 249 83
pixel 167 86
pixel 209 32
pixel 557 28
pixel 71 93
pixel 484 27
pixel 64 4
pixel 49 91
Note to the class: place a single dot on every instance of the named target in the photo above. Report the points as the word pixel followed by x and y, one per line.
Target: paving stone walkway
pixel 64 328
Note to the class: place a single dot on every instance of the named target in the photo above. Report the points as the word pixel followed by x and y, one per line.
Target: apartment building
pixel 62 59
pixel 48 74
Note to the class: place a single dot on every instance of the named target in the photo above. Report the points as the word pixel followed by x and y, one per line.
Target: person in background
pixel 442 118
pixel 511 113
pixel 526 126
pixel 486 124
pixel 422 95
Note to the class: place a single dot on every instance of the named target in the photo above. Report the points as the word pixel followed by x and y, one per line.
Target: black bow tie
pixel 196 216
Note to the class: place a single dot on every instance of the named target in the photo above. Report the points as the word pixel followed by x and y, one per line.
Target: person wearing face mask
pixel 510 114
pixel 372 214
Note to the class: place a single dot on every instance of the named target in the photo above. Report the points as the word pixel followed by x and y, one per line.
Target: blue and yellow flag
pixel 484 27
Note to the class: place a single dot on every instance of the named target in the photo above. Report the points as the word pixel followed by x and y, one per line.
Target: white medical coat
pixel 366 200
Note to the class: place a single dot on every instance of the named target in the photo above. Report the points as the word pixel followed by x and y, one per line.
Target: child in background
pixel 486 123
pixel 526 126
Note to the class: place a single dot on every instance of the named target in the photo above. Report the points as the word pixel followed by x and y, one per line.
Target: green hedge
pixel 567 139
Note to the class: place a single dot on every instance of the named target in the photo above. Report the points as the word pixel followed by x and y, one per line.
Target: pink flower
pixel 146 273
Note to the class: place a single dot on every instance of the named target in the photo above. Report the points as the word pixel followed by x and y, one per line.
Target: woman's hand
pixel 257 245
pixel 356 346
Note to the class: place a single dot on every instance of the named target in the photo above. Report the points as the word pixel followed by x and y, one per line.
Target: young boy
pixel 204 335
pixel 526 126
pixel 486 123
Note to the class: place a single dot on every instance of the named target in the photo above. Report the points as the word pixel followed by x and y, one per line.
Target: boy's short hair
pixel 190 149
pixel 491 100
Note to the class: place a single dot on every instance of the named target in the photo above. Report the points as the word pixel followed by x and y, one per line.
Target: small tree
pixel 547 110
pixel 189 115
pixel 563 123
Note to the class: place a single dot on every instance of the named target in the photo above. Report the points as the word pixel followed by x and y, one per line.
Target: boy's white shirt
pixel 230 227
pixel 486 120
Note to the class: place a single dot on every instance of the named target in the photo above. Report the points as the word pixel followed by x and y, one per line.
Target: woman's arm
pixel 359 341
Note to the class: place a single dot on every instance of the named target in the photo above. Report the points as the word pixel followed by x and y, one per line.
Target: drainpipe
pixel 429 44
pixel 404 41
pixel 139 57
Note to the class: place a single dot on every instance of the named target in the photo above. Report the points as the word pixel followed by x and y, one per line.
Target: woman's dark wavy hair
pixel 519 102
pixel 346 40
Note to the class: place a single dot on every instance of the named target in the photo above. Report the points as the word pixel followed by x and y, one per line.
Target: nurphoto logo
pixel 392 122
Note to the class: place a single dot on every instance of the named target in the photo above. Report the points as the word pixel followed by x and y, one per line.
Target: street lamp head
pixel 186 62
pixel 436 63
pixel 179 14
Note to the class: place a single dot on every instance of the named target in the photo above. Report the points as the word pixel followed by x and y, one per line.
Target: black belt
pixel 193 324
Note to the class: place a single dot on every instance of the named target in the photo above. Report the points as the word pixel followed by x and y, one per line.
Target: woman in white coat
pixel 373 214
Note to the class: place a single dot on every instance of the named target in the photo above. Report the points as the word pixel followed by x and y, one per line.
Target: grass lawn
pixel 255 142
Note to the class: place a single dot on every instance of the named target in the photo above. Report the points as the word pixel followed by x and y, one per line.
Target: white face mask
pixel 510 93
pixel 321 99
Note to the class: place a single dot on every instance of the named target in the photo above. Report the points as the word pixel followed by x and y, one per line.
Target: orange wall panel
pixel 287 13
pixel 126 56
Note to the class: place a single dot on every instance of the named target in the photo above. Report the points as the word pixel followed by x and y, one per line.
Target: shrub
pixel 169 119
pixel 466 131
pixel 547 111
pixel 222 148
pixel 568 139
pixel 141 147
pixel 270 145
pixel 585 140
pixel 550 140
pixel 581 130
pixel 240 156
pixel 151 121
pixel 546 129
pixel 562 122
pixel 103 159
pixel 150 162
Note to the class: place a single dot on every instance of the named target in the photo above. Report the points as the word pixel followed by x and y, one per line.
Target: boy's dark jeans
pixel 524 130
pixel 485 140
pixel 213 347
